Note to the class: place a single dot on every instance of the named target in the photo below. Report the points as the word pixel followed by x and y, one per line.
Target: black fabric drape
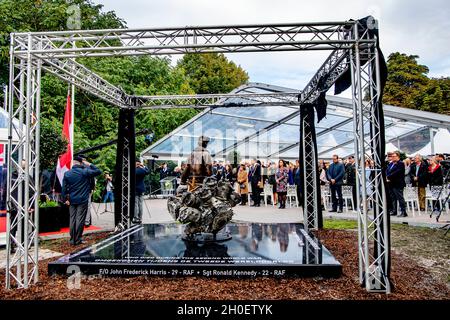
pixel 126 129
pixel 320 104
pixel 345 80
pixel 307 114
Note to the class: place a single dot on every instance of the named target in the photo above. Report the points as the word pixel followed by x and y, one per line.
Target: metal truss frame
pixel 23 176
pixel 55 52
pixel 373 232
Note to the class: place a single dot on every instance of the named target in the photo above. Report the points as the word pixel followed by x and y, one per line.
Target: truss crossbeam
pixel 212 100
pixel 157 41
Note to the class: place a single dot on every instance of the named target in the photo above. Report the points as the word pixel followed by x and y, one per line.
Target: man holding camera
pixel 76 190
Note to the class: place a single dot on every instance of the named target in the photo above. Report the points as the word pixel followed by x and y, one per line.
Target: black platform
pixel 272 250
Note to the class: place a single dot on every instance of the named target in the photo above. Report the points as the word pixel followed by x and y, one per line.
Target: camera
pixel 445 164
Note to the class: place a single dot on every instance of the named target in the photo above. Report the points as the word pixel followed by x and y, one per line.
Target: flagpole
pixel 72 108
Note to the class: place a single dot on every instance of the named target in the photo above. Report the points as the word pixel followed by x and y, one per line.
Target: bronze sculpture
pixel 202 202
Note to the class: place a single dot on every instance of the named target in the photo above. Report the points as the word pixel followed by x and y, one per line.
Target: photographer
pixel 141 172
pixel 163 171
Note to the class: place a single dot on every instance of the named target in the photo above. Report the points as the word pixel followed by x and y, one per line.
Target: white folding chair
pixel 292 194
pixel 326 195
pixel 268 192
pixel 347 195
pixel 412 199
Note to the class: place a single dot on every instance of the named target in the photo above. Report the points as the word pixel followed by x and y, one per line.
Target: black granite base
pixel 272 250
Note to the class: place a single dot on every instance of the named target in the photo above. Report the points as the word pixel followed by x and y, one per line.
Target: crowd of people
pixel 417 171
pixel 249 177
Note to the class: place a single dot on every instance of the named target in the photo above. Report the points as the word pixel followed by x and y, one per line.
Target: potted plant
pixel 48 215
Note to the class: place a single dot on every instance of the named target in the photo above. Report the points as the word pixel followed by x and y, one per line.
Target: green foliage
pixel 48 204
pixel 46 15
pixel 212 73
pixel 339 224
pixel 52 143
pixel 408 86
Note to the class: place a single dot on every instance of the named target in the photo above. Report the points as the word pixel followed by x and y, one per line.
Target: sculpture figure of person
pixel 198 165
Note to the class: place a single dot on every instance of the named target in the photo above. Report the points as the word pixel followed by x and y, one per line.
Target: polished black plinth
pixel 272 250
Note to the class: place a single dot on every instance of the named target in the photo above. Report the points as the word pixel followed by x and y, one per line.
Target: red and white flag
pixel 65 160
pixel 2 154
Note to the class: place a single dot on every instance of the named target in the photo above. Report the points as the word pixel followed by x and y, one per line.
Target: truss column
pixel 125 170
pixel 373 237
pixel 312 214
pixel 23 182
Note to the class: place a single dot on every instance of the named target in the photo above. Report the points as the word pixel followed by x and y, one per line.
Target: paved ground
pixel 155 211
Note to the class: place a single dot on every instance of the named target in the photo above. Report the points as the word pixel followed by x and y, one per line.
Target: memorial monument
pixel 201 202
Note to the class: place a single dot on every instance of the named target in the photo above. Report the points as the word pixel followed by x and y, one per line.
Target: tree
pixel 434 96
pixel 408 86
pixel 212 73
pixel 405 79
pixel 52 144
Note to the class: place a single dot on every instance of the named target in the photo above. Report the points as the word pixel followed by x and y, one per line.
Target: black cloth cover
pixel 307 113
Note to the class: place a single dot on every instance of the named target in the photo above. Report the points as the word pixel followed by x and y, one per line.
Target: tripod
pixel 444 203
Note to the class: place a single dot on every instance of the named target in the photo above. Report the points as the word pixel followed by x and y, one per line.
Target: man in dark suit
pixel 419 178
pixel 335 175
pixel 255 178
pixel 76 191
pixel 163 171
pixel 395 178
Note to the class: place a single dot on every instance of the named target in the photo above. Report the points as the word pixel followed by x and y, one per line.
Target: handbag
pixel 260 184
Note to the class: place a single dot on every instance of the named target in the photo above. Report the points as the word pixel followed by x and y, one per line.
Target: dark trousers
pixel 397 196
pixel 337 201
pixel 77 219
pixel 299 195
pixel 256 193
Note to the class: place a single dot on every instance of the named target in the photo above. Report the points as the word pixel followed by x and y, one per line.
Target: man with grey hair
pixel 419 178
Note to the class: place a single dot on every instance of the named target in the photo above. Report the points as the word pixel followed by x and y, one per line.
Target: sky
pixel 409 26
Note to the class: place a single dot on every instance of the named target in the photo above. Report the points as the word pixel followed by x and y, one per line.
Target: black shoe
pixel 333 210
pixel 393 214
pixel 339 211
pixel 402 215
pixel 87 225
pixel 258 205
